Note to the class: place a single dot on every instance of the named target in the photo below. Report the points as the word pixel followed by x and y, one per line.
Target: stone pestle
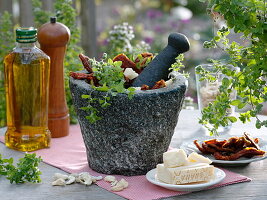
pixel 158 68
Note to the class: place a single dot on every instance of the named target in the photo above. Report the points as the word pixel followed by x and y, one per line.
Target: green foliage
pixel 40 16
pixel 109 73
pixel 111 80
pixel 178 65
pixel 248 18
pixel 120 39
pixel 65 14
pixel 139 48
pixel 26 170
pixel 6 43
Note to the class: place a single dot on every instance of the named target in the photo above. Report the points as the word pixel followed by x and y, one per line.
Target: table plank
pixel 187 129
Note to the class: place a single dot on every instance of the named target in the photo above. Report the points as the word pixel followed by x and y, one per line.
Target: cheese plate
pixel 190 147
pixel 219 176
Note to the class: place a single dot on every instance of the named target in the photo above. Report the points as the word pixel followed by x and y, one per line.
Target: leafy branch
pixel 6 41
pixel 248 18
pixel 120 39
pixel 26 170
pixel 111 80
pixel 178 65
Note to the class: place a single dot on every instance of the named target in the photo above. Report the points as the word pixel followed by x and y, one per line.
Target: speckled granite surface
pixel 132 134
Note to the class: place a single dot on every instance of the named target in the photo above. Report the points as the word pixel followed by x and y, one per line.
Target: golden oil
pixel 27 71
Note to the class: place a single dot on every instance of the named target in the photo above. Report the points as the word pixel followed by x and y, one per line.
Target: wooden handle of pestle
pixel 158 68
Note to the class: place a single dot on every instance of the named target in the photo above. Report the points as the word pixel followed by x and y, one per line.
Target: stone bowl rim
pixel 179 81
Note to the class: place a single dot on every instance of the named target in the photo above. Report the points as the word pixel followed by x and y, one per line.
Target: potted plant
pixel 248 20
pixel 125 130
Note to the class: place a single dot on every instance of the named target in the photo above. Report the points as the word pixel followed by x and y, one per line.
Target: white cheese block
pixel 168 82
pixel 130 73
pixel 197 158
pixel 200 172
pixel 175 158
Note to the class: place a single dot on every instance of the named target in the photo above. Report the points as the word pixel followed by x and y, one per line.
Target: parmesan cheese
pixel 201 172
pixel 175 158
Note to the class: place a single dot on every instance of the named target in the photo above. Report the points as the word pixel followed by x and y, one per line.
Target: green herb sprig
pixel 178 65
pixel 249 19
pixel 26 170
pixel 120 39
pixel 111 80
pixel 6 42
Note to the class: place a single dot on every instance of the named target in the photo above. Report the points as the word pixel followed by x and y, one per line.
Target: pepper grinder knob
pixel 53 38
pixel 53 19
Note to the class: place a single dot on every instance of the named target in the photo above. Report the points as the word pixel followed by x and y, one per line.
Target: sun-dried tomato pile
pixel 231 149
pixel 137 66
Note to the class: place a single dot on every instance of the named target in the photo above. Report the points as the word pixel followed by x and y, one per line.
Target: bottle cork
pixel 53 38
pixel 158 68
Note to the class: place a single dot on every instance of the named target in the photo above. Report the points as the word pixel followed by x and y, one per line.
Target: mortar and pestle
pixel 134 133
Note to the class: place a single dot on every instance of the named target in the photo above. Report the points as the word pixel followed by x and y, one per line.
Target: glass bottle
pixel 27 70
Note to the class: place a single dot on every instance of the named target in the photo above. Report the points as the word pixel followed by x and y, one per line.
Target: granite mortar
pixel 133 133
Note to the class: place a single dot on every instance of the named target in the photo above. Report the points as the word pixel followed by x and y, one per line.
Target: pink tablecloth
pixel 69 154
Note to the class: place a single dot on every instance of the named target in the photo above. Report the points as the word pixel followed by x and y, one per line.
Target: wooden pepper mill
pixel 53 38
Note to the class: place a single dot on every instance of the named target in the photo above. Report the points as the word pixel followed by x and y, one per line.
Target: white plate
pixel 190 147
pixel 219 176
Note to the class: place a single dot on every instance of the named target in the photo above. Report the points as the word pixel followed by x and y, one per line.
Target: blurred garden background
pixel 90 22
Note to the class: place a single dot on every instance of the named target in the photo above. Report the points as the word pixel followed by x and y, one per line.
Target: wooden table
pixel 187 129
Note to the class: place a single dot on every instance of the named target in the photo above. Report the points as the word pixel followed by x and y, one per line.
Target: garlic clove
pixel 117 188
pixel 59 182
pixel 96 178
pixel 122 184
pixel 114 183
pixel 70 180
pixel 110 179
pixel 59 175
pixel 84 178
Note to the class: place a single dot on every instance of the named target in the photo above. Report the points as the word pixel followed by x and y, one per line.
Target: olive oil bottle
pixel 27 70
